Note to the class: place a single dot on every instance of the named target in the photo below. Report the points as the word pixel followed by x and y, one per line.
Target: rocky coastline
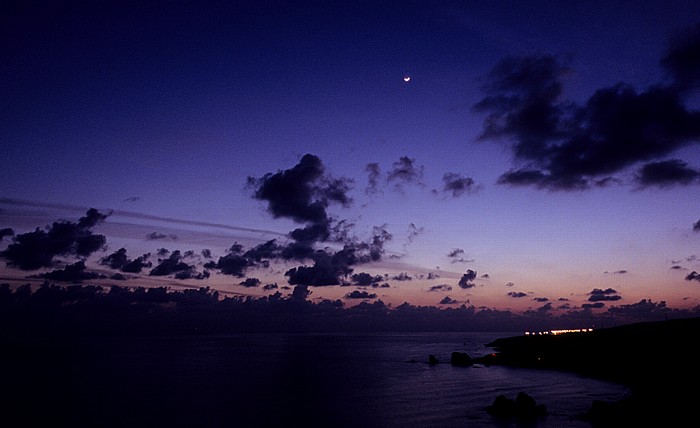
pixel 658 361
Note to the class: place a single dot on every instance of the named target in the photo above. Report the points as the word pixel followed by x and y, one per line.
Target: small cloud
pixel 458 185
pixel 596 305
pixel 441 287
pixel 598 295
pixel 693 276
pixel 155 236
pixel 357 294
pixel 510 284
pixel 696 226
pixel 250 282
pixel 467 280
pixel 541 299
pixel 447 300
pixel 403 276
pixel 517 294
pixel 405 171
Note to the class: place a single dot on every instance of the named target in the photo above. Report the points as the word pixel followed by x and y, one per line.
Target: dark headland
pixel 658 361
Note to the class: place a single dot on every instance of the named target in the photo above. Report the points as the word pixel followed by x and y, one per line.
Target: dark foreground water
pixel 330 380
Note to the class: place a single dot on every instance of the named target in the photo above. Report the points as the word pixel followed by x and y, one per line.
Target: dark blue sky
pixel 167 111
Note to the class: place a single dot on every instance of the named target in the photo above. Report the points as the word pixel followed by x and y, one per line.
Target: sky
pixel 516 155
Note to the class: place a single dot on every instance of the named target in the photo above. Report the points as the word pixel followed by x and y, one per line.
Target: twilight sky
pixel 542 154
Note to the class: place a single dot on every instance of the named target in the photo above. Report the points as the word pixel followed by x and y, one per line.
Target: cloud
pixel 37 249
pixel 403 276
pixel 467 280
pixel 72 273
pixel 693 276
pixel 357 294
pixel 457 256
pixel 303 193
pixel 365 279
pixel 510 284
pixel 441 287
pixel 617 272
pixel 233 262
pixel 447 300
pixel 373 176
pixel 596 305
pixel 563 146
pixel 517 294
pixel 272 286
pixel 413 232
pixel 682 58
pixel 155 236
pixel 458 185
pixel 598 295
pixel 119 260
pixel 405 171
pixel 173 265
pixel 696 226
pixel 667 173
pixel 6 232
pixel 250 282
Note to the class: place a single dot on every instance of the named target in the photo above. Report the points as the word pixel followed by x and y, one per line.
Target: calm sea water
pixel 330 380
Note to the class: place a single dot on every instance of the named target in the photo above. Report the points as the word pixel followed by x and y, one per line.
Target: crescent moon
pixel 407 78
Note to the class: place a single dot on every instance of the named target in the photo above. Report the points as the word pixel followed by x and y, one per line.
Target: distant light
pixel 407 78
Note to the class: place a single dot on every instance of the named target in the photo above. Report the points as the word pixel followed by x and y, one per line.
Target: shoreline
pixel 629 355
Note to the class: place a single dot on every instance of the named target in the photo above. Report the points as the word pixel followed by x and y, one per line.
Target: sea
pixel 283 380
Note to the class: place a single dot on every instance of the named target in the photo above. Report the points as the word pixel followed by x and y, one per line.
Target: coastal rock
pixel 461 359
pixel 432 360
pixel 524 407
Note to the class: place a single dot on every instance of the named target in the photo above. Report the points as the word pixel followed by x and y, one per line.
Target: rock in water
pixel 461 359
pixel 432 360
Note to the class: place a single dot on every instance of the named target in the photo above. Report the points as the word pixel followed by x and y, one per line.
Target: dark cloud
pixel 366 279
pixel 458 185
pixel 373 176
pixel 405 171
pixel 37 249
pixel 403 276
pixel 541 299
pixel 272 286
pixel 693 276
pixel 232 263
pixel 597 305
pixel 447 300
pixel 155 236
pixel 517 294
pixel 173 265
pixel 72 273
pixel 564 146
pixel 303 193
pixel 696 226
pixel 457 255
pixel 119 260
pixel 357 294
pixel 413 232
pixel 667 173
pixel 510 284
pixel 617 272
pixel 607 295
pixel 467 280
pixel 6 232
pixel 676 267
pixel 250 282
pixel 441 287
pixel 682 58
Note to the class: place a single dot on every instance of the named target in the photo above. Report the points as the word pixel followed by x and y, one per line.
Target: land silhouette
pixel 656 360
